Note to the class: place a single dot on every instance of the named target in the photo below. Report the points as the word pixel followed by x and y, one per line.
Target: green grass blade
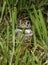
pixel 4 4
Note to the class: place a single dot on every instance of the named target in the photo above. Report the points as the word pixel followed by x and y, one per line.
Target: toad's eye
pixel 28 22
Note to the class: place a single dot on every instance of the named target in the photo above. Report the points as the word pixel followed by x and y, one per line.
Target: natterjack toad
pixel 24 27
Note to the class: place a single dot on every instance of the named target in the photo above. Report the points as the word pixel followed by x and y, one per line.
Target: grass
pixel 13 49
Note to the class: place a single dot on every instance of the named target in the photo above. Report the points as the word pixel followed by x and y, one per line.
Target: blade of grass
pixel 37 24
pixel 7 35
pixel 4 4
pixel 13 18
pixel 25 58
pixel 44 30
